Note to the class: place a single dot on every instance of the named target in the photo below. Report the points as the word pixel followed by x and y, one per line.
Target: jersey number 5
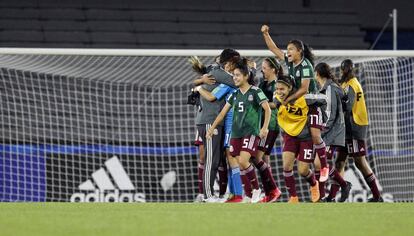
pixel 241 108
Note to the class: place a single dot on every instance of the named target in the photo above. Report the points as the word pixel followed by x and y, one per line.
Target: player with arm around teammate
pixel 299 60
pixel 297 141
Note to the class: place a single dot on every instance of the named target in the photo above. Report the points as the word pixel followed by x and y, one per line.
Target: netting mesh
pixel 64 117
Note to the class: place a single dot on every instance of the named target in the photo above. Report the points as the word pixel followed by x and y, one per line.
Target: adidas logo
pixel 105 190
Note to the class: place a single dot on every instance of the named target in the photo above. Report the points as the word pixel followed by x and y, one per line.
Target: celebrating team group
pixel 322 122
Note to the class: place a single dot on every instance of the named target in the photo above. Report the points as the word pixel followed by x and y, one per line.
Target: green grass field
pixel 206 219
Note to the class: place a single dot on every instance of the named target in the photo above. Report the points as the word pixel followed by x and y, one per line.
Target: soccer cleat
pixel 327 199
pixel 345 192
pixel 324 174
pixel 294 200
pixel 272 197
pixel 199 198
pixel 315 192
pixel 380 199
pixel 235 199
pixel 212 199
pixel 256 195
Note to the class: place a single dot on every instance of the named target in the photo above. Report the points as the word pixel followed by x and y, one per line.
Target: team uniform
pixel 220 92
pixel 204 119
pixel 356 127
pixel 334 134
pixel 247 115
pixel 266 145
pixel 356 119
pixel 294 124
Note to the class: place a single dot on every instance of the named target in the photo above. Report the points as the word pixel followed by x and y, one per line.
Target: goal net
pixel 113 125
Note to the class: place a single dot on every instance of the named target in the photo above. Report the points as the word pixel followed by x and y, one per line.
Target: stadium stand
pixel 167 24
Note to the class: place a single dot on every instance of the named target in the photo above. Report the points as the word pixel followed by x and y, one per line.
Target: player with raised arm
pixel 299 60
pixel 356 126
pixel 297 142
pixel 247 103
pixel 334 131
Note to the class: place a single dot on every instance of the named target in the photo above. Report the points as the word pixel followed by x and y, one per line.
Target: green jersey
pixel 268 89
pixel 301 72
pixel 247 112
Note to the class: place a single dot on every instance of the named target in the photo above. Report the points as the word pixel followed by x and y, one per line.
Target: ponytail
pixel 197 65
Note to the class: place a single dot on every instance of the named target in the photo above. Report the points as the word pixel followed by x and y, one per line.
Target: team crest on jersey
pixel 250 98
pixel 297 73
pixel 215 132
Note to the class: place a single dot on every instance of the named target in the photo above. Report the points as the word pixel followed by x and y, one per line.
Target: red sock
pixel 321 184
pixel 334 174
pixel 310 178
pixel 268 181
pixel 290 183
pixel 251 175
pixel 246 184
pixel 321 150
pixel 372 183
pixel 223 178
pixel 334 189
pixel 200 177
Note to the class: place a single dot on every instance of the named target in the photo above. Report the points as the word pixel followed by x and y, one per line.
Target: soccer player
pixel 334 131
pixel 297 142
pixel 247 104
pixel 299 60
pixel 356 126
pixel 270 70
pixel 209 110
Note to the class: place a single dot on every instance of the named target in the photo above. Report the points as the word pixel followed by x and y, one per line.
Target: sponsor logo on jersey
pixel 231 149
pixel 104 190
pixel 215 131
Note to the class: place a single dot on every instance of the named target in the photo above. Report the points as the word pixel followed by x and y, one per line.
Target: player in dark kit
pixel 356 125
pixel 299 60
pixel 247 104
pixel 271 69
pixel 334 132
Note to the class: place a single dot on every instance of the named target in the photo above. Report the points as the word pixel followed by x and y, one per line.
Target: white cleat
pixel 199 198
pixel 212 199
pixel 256 195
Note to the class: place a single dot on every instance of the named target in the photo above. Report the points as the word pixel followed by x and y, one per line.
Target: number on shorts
pixel 246 142
pixel 308 154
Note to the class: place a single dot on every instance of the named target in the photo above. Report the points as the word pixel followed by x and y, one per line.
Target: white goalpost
pixel 113 124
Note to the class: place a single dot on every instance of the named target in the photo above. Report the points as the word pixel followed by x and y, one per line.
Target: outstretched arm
pixel 271 44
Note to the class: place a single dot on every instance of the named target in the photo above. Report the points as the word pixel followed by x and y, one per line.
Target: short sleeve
pixel 260 96
pixel 230 99
pixel 220 91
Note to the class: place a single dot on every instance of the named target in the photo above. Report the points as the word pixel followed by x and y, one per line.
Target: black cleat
pixel 345 192
pixel 327 199
pixel 380 199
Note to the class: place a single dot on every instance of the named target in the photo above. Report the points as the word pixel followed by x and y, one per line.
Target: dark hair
pixel 306 50
pixel 227 55
pixel 273 63
pixel 242 65
pixel 324 70
pixel 284 79
pixel 347 67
